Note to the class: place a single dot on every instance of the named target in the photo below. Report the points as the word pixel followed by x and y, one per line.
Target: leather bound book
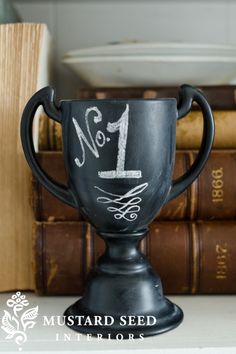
pixel 220 97
pixel 210 197
pixel 47 207
pixel 189 130
pixel 64 252
pixel 190 257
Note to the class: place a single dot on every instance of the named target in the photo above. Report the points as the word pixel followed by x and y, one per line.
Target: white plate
pixel 140 70
pixel 156 49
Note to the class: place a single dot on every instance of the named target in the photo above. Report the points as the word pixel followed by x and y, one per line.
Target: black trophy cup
pixel 119 157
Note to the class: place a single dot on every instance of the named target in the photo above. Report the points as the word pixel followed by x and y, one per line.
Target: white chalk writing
pixel 122 126
pixel 82 138
pixel 124 206
pixel 100 140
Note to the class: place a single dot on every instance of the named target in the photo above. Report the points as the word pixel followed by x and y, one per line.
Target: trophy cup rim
pixel 119 100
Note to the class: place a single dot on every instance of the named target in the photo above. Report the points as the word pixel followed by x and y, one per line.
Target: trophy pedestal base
pixel 118 330
pixel 123 296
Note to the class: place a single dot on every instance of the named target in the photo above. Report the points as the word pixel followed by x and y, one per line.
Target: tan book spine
pixel 188 133
pixel 189 130
pixel 22 59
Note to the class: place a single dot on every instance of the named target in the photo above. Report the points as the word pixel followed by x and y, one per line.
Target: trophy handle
pixel 187 95
pixel 44 97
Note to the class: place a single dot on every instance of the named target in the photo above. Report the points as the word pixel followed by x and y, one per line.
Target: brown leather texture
pixel 220 97
pixel 59 251
pixel 189 130
pixel 190 257
pixel 188 133
pixel 210 197
pixel 47 207
pixel 215 189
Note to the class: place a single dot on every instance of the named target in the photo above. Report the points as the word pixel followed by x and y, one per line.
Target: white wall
pixel 89 23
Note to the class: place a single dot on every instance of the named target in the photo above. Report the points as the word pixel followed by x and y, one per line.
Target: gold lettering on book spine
pixel 221 261
pixel 217 184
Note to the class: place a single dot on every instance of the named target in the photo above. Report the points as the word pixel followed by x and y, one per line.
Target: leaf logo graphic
pixel 16 324
pixel 8 325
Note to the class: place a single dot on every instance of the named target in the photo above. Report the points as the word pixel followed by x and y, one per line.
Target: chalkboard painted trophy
pixel 119 157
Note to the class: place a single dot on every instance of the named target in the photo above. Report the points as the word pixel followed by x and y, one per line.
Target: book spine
pixel 188 134
pixel 189 130
pixel 46 207
pixel 221 97
pixel 24 57
pixel 191 258
pixel 211 197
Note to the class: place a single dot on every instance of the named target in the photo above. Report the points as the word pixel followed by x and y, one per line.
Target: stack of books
pixel 24 67
pixel 191 243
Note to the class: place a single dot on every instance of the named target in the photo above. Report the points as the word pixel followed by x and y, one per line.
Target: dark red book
pixel 190 257
pixel 210 197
